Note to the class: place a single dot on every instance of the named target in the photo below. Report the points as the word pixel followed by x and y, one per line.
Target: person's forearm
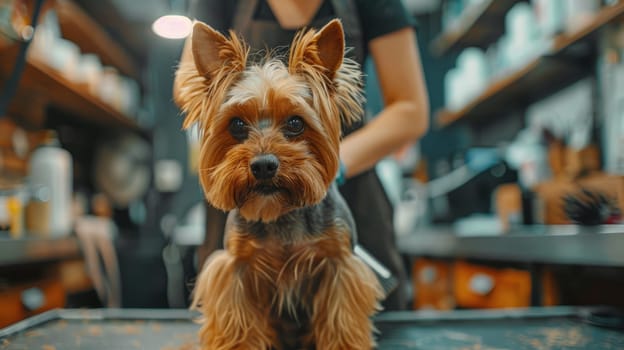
pixel 405 117
pixel 396 126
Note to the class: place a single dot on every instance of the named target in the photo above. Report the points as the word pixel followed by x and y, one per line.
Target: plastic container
pixel 51 170
pixel 580 12
pixel 474 72
pixel 550 16
pixel 523 40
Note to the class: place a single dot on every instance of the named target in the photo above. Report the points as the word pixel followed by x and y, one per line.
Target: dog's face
pixel 270 131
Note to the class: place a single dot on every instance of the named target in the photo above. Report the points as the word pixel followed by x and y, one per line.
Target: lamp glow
pixel 173 26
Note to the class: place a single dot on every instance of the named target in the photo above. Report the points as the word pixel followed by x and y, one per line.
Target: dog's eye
pixel 238 129
pixel 294 126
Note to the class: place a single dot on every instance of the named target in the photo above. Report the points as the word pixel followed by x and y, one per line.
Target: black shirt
pixel 377 17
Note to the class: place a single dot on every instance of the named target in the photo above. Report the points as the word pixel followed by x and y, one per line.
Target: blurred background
pixel 512 199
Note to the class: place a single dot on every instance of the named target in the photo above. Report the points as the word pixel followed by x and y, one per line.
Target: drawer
pixel 28 299
pixel 478 286
pixel 432 285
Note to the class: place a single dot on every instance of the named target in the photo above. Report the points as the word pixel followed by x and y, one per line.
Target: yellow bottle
pixel 14 206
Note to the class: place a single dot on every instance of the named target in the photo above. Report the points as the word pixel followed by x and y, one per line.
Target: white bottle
pixel 51 171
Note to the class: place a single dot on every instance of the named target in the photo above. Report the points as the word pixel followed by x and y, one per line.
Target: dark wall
pixel 169 139
pixel 144 277
pixel 443 143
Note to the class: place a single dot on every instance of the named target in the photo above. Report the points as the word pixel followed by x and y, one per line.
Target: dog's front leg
pixel 344 304
pixel 231 319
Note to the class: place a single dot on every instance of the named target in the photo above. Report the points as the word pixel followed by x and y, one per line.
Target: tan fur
pixel 342 87
pixel 200 95
pixel 231 320
pixel 253 277
pixel 252 293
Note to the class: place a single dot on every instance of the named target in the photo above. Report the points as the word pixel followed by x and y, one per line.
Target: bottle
pixel 51 173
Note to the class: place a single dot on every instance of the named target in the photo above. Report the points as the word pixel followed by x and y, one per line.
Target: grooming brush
pixel 591 208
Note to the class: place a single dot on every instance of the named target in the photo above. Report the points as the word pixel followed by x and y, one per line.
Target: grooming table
pixel 519 329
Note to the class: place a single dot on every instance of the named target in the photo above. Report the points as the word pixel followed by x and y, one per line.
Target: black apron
pixel 364 193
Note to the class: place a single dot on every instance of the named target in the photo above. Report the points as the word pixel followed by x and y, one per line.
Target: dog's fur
pixel 288 277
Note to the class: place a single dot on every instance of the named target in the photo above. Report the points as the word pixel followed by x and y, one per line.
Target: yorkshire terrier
pixel 270 130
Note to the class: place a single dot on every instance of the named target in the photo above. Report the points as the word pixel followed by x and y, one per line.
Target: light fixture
pixel 173 26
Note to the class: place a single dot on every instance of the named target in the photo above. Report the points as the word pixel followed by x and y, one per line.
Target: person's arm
pixel 405 116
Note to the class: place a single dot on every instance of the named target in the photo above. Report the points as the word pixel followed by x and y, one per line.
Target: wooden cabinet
pixel 27 299
pixel 480 24
pixel 480 286
pixel 433 287
pixel 34 273
pixel 78 27
pixel 41 86
pixel 563 63
pixel 446 284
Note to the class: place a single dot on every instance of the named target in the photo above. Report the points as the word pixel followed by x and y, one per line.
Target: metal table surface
pixel 516 329
pixel 556 244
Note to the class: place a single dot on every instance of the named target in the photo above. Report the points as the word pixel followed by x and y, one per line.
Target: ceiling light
pixel 173 26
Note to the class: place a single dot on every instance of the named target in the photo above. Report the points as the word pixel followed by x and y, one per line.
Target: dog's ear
pixel 206 43
pixel 331 45
pixel 203 83
pixel 324 48
pixel 212 51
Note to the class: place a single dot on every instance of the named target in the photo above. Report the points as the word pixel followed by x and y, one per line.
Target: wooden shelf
pixel 479 26
pixel 565 42
pixel 565 62
pixel 30 250
pixel 567 244
pixel 80 28
pixel 536 80
pixel 41 86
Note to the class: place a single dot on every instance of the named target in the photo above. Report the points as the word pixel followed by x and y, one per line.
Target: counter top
pixel 566 244
pixel 32 249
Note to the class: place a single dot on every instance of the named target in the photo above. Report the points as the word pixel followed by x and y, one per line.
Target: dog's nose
pixel 264 166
